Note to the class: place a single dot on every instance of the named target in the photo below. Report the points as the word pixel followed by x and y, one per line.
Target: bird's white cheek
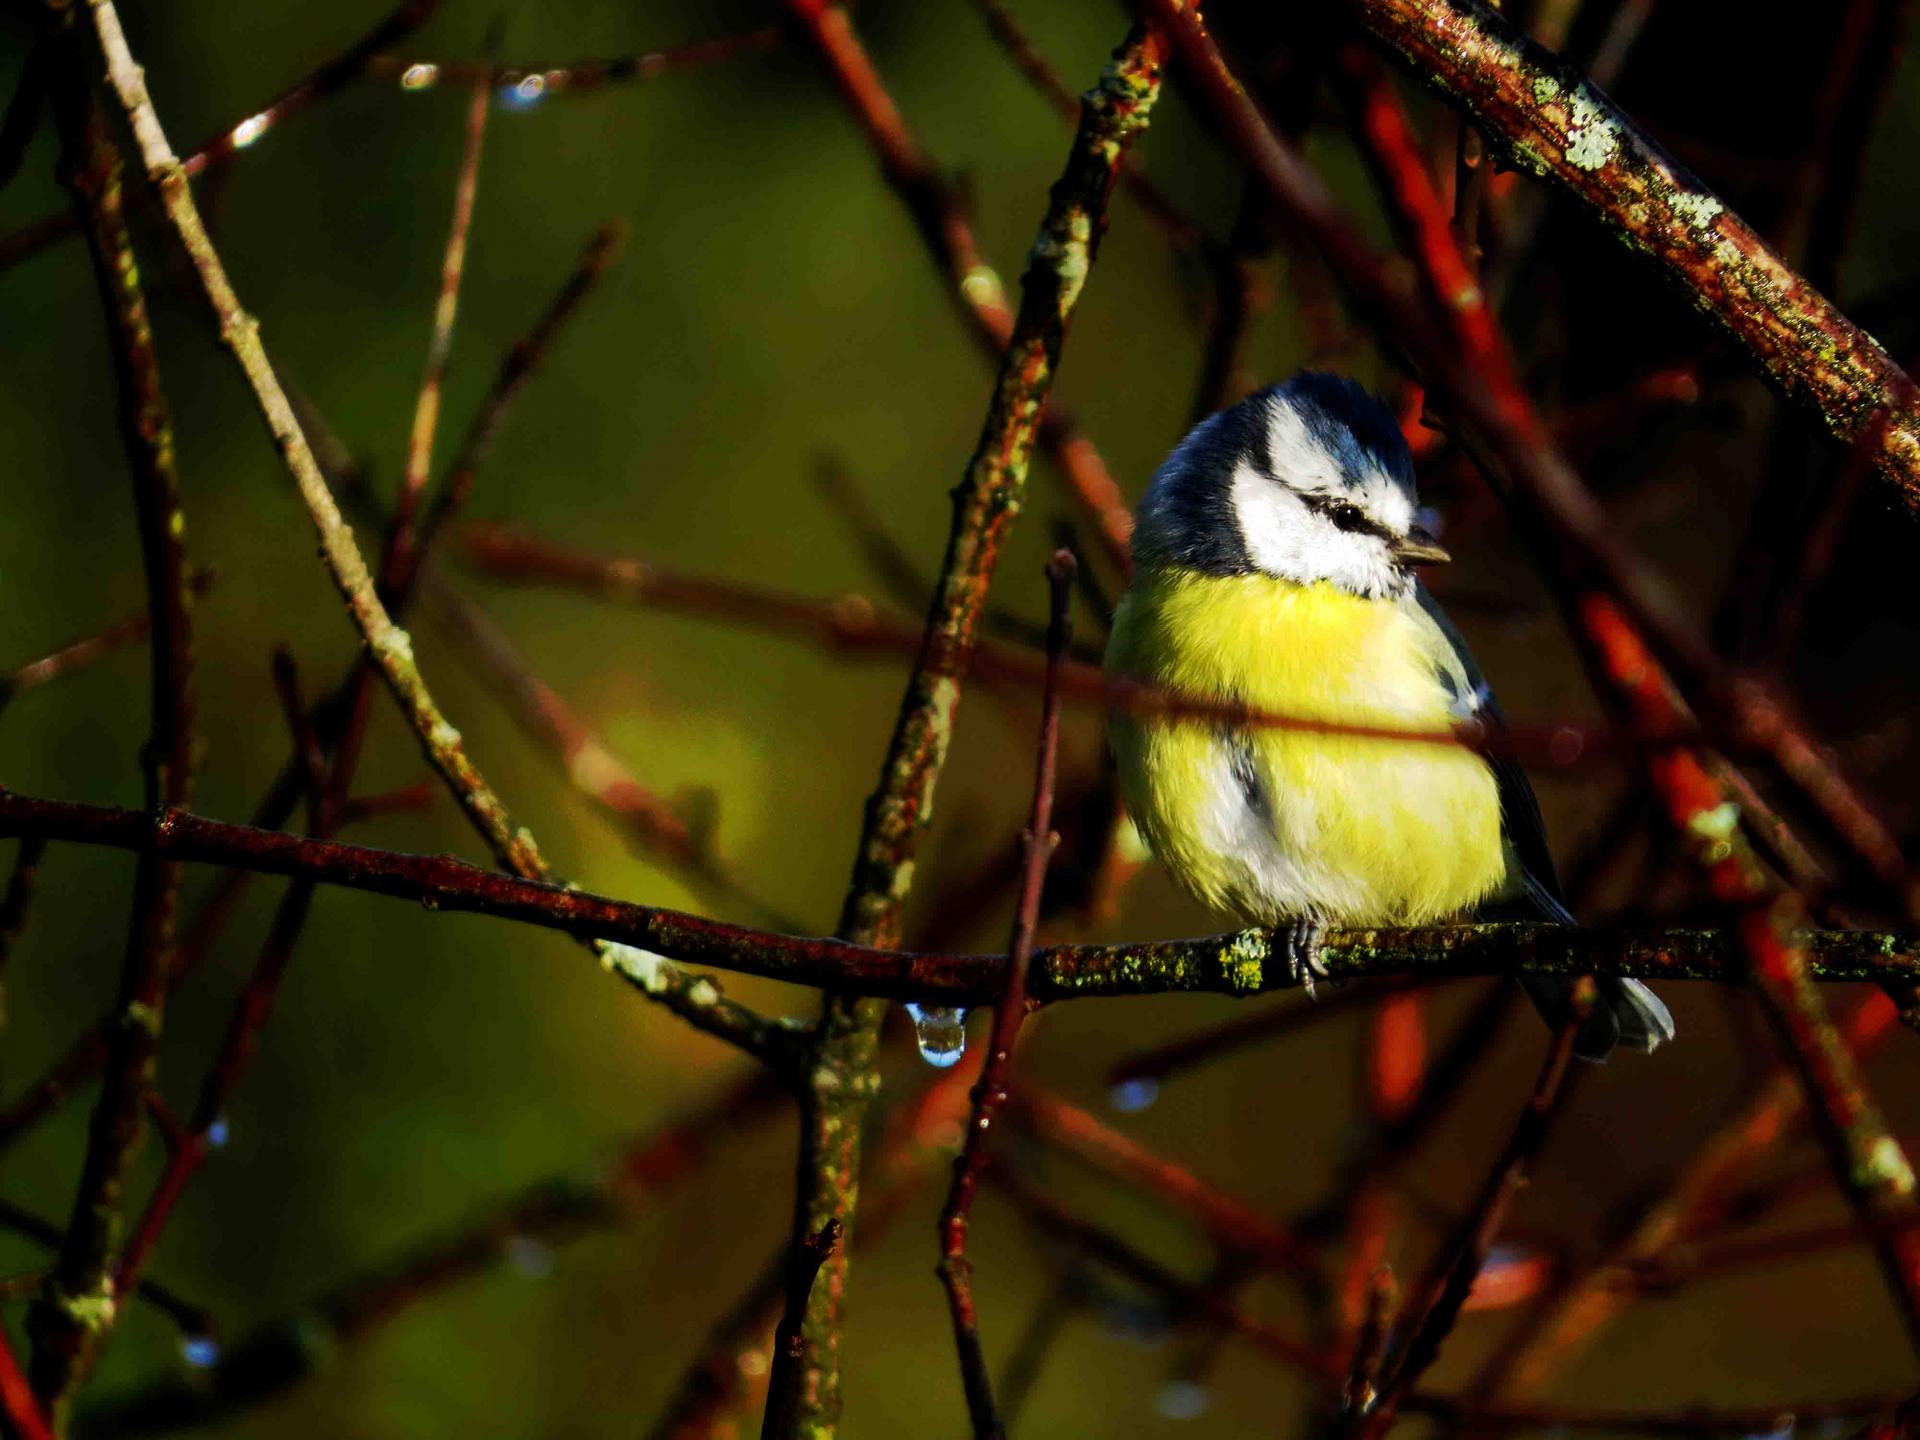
pixel 1283 537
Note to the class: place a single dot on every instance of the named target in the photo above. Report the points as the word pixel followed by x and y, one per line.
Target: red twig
pixel 24 1416
pixel 940 214
pixel 80 653
pixel 1697 1198
pixel 1868 1162
pixel 1233 1226
pixel 1009 1012
pixel 1436 1305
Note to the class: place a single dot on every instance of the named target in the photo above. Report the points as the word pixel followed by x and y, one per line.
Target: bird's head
pixel 1308 480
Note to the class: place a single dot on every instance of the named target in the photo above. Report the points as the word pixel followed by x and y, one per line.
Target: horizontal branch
pixel 1242 963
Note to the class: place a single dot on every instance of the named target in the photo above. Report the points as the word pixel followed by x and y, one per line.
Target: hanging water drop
pixel 200 1351
pixel 1182 1400
pixel 533 1258
pixel 1130 1097
pixel 941 1033
pixel 218 1133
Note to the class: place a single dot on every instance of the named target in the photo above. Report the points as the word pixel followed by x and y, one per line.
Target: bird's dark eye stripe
pixel 1344 514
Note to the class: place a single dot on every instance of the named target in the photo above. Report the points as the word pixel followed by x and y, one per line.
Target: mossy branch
pixel 1545 117
pixel 641 937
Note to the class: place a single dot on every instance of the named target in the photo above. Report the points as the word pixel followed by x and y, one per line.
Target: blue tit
pixel 1273 569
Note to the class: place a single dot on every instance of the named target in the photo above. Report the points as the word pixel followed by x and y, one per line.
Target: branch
pixel 839 1072
pixel 1009 1013
pixel 76 1309
pixel 389 647
pixel 1234 964
pixel 789 1346
pixel 275 1356
pixel 1548 119
pixel 527 82
pixel 221 147
pixel 940 215
pixel 1434 1309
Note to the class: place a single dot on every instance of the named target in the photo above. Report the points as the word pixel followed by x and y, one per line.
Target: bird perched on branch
pixel 1274 561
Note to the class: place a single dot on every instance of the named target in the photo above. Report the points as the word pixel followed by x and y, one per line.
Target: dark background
pixel 773 308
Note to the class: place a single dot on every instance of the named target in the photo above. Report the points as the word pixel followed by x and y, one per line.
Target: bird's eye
pixel 1347 517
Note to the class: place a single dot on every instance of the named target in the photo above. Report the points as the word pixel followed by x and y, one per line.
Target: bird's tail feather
pixel 1626 1013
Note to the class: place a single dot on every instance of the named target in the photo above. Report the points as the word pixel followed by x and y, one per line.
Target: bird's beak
pixel 1419 548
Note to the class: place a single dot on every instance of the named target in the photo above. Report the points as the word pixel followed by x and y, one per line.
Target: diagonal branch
pixel 1548 119
pixel 390 647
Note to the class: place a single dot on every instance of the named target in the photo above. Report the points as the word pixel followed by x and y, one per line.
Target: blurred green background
pixel 773 307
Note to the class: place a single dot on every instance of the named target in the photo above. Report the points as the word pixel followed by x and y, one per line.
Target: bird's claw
pixel 1301 941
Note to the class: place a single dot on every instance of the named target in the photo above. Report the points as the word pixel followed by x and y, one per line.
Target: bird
pixel 1274 570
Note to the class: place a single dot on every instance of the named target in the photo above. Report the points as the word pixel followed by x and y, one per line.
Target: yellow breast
pixel 1278 824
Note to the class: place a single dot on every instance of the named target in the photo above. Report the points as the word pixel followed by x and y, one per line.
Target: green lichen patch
pixel 1243 961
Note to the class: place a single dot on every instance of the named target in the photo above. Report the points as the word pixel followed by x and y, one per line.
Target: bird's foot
pixel 1301 941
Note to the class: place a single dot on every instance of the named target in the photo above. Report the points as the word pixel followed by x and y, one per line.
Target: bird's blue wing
pixel 1520 816
pixel 1629 1013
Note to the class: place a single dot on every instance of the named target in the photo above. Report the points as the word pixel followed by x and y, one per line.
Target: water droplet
pixel 532 1258
pixel 525 94
pixel 941 1033
pixel 200 1351
pixel 1132 1096
pixel 249 130
pixel 218 1133
pixel 1140 1323
pixel 1182 1400
pixel 419 77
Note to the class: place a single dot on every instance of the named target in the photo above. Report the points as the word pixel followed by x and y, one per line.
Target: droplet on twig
pixel 200 1351
pixel 1182 1400
pixel 530 1257
pixel 941 1033
pixel 1132 1096
pixel 218 1133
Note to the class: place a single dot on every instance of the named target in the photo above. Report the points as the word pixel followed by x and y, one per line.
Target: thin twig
pixel 78 654
pixel 1009 1013
pixel 389 646
pixel 940 214
pixel 1234 1227
pixel 401 525
pixel 280 1353
pixel 839 1067
pixel 323 81
pixel 521 362
pixel 789 1345
pixel 18 900
pixel 1698 1197
pixel 1436 1305
pixel 527 82
pixel 1159 1063
pixel 75 1311
pixel 24 1415
pixel 1543 116
pixel 593 769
